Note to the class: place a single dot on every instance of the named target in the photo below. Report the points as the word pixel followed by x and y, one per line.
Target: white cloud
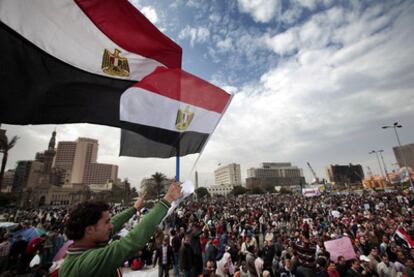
pixel 260 10
pixel 309 4
pixel 215 17
pixel 326 85
pixel 150 13
pixel 322 98
pixel 225 45
pixel 196 35
pixel 284 43
pixel 291 15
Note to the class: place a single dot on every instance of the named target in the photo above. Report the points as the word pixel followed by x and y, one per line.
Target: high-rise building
pixel 345 174
pixel 274 174
pixel 65 155
pixel 405 151
pixel 61 176
pixel 80 158
pixel 21 175
pixel 228 175
pixel 97 173
pixel 8 178
pixel 76 156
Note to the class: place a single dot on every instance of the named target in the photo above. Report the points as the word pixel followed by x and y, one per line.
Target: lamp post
pixel 385 167
pixel 379 163
pixel 395 126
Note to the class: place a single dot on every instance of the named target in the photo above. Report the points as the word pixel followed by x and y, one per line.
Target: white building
pixel 228 175
pixel 220 189
pixel 284 170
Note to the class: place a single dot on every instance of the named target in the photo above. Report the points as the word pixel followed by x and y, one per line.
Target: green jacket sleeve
pixel 107 259
pixel 121 218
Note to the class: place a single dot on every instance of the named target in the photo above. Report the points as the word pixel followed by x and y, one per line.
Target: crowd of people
pixel 251 235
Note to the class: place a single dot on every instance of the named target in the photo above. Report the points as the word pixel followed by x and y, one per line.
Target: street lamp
pixel 379 163
pixel 385 168
pixel 395 126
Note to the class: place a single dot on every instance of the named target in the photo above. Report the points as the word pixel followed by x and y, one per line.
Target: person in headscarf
pixel 225 266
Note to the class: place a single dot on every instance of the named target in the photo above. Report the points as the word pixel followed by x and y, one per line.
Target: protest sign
pixel 340 247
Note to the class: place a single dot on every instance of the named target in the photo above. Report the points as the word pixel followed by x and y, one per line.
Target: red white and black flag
pixel 404 239
pixel 171 110
pixel 69 61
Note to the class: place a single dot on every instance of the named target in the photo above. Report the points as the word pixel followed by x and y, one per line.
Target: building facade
pixel 405 151
pixel 8 178
pixel 60 176
pixel 80 158
pixel 228 175
pixel 345 174
pixel 271 175
pixel 220 189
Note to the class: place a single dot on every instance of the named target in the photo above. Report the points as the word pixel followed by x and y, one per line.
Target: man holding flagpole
pixel 90 226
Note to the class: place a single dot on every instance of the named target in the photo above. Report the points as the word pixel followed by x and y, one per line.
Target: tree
pixel 270 189
pixel 237 190
pixel 5 146
pixel 257 190
pixel 154 185
pixel 201 192
pixel 285 190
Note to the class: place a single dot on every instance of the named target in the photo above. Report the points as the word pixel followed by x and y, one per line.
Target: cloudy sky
pixel 314 81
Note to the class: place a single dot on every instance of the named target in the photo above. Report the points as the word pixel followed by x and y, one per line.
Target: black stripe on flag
pixel 158 142
pixel 37 88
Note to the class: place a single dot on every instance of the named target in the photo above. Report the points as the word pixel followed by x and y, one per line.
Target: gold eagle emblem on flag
pixel 115 65
pixel 184 118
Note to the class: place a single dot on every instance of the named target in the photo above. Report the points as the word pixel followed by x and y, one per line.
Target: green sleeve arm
pixel 121 218
pixel 109 258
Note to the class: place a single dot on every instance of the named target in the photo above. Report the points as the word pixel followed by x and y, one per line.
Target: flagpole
pixel 177 163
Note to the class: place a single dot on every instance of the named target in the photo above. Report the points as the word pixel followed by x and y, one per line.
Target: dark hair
pixel 305 233
pixel 83 215
pixel 322 262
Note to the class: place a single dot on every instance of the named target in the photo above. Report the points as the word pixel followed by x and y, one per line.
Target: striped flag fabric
pixel 69 61
pixel 171 112
pixel 404 239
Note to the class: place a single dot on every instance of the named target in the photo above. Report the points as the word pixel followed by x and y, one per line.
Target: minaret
pixel 49 154
pixel 52 142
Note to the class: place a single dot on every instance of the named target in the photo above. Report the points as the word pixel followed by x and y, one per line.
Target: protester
pixel 386 268
pixel 5 247
pixel 332 271
pixel 90 226
pixel 289 225
pixel 186 257
pixel 165 257
pixel 175 244
pixel 355 269
pixel 225 266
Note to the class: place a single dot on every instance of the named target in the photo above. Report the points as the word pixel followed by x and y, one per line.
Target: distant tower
pixel 49 154
pixel 52 142
pixel 369 171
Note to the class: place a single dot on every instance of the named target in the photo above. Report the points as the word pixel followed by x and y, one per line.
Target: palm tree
pixel 5 146
pixel 158 178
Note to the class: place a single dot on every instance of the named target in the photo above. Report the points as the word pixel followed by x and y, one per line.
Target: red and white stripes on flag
pixel 178 111
pixel 69 61
pixel 401 237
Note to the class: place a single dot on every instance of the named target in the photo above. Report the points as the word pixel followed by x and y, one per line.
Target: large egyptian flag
pixel 172 113
pixel 66 61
